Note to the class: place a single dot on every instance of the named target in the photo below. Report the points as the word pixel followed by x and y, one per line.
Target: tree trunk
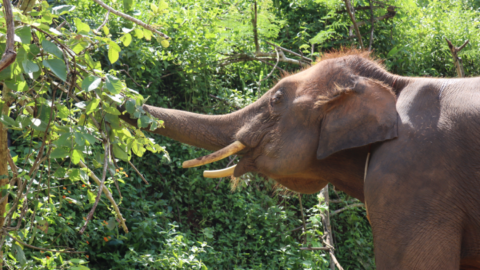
pixel 4 164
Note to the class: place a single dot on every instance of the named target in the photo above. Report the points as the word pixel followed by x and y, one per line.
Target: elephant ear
pixel 357 116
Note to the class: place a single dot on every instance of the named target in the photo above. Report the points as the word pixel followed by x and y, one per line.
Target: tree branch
pixel 130 18
pixel 390 14
pixel 457 60
pixel 255 30
pixel 97 32
pixel 39 248
pixel 351 13
pixel 372 21
pixel 138 172
pixel 303 218
pixel 108 194
pixel 336 212
pixel 9 56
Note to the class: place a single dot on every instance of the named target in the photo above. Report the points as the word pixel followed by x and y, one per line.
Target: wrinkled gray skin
pixel 422 189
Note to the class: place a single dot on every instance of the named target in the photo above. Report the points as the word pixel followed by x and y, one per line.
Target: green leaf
pixel 138 33
pixel 29 66
pixel 19 254
pixel 82 28
pixel 111 223
pixel 138 149
pixel 126 39
pixel 74 175
pixel 120 152
pixel 114 85
pixel 111 110
pixel 63 111
pixel 59 10
pixel 58 67
pixel 8 120
pixel 50 47
pixel 113 120
pixel 113 52
pixel 128 5
pixel 144 121
pixel 25 34
pixel 77 155
pixel 165 43
pixel 147 34
pixel 91 196
pixel 130 105
pixel 92 105
pixel 59 153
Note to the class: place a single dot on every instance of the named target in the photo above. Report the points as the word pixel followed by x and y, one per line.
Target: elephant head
pixel 311 128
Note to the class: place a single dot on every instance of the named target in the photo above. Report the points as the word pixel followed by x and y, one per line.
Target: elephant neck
pixel 346 170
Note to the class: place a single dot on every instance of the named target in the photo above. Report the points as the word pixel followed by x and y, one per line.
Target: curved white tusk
pixel 215 156
pixel 220 173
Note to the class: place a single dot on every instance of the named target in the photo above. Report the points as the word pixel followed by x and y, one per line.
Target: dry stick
pixel 108 194
pixel 352 17
pixel 39 248
pixel 314 248
pixel 130 18
pixel 99 193
pixel 143 178
pixel 457 60
pixel 372 21
pixel 336 212
pixel 328 228
pixel 303 218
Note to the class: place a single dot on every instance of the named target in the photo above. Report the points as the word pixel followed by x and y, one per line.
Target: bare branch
pixel 108 194
pixel 457 60
pixel 303 218
pixel 372 21
pixel 314 248
pixel 289 51
pixel 390 14
pixel 141 176
pixel 130 18
pixel 336 212
pixel 351 13
pixel 97 32
pixel 224 101
pixel 274 67
pixel 255 30
pixel 9 56
pixel 100 187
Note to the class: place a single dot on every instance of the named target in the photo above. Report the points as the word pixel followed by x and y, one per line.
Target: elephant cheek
pixel 245 165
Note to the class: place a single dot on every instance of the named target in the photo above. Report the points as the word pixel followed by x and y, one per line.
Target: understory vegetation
pixel 76 62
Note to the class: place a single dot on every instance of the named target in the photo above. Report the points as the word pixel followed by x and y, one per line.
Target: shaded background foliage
pixel 184 221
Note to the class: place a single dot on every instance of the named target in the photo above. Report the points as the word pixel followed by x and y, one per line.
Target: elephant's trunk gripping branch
pixel 216 156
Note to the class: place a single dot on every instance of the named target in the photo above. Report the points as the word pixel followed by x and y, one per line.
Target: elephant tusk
pixel 215 156
pixel 220 173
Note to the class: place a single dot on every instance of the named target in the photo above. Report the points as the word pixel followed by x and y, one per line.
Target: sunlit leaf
pixel 25 34
pixel 138 33
pixel 91 83
pixel 147 34
pixel 60 10
pixel 59 153
pixel 58 67
pixel 113 52
pixel 82 28
pixel 77 155
pixel 114 85
pixel 126 39
pixel 50 47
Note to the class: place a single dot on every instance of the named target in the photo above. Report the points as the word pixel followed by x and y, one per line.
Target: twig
pixel 351 13
pixel 274 67
pixel 100 187
pixel 225 101
pixel 390 14
pixel 303 217
pixel 289 51
pixel 108 194
pixel 130 18
pixel 336 212
pixel 255 32
pixel 314 248
pixel 372 21
pixel 97 32
pixel 9 55
pixel 141 176
pixel 457 60
pixel 39 248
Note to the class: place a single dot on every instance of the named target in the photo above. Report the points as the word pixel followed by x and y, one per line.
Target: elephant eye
pixel 277 98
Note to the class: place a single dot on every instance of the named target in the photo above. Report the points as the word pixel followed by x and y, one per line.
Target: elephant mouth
pixel 225 152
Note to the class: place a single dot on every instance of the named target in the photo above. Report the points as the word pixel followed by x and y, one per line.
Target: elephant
pixel 405 146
